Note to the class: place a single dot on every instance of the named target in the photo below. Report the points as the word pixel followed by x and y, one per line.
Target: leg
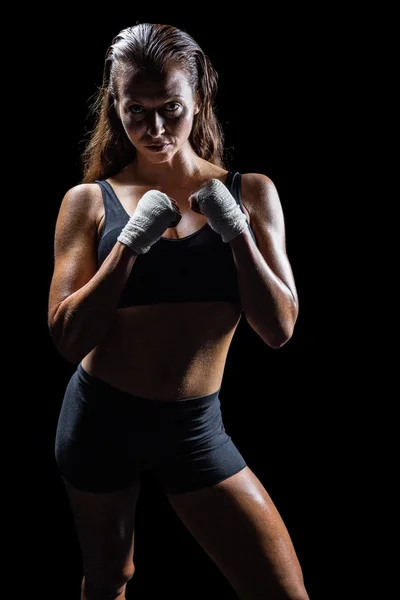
pixel 105 528
pixel 237 524
pixel 96 450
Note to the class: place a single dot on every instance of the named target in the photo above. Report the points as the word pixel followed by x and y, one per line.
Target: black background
pixel 278 82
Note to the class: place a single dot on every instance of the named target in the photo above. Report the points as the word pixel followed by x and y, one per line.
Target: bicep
pixel 262 201
pixel 75 261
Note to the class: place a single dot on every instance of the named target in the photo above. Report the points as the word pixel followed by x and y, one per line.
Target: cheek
pixel 131 125
pixel 183 127
pixel 184 124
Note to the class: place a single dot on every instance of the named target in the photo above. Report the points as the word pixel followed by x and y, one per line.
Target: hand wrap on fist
pixel 214 200
pixel 155 212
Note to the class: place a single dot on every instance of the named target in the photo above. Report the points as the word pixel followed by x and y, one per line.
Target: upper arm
pixel 75 260
pixel 261 199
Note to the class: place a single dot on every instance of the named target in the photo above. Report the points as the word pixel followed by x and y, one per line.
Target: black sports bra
pixel 195 268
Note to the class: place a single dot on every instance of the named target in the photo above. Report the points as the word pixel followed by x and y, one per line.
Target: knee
pixel 106 584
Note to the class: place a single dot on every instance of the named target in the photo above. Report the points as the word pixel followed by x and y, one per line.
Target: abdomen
pixel 166 351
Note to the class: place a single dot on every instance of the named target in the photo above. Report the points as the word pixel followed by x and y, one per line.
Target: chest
pixel 190 223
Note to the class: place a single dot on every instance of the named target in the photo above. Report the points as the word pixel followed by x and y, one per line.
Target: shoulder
pixel 83 200
pixel 257 186
pixel 261 198
pixel 83 194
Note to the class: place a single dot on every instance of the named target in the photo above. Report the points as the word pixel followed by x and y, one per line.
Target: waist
pixel 166 351
pixel 105 391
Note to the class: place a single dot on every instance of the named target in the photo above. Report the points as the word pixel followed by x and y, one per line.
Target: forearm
pixel 267 302
pixel 84 317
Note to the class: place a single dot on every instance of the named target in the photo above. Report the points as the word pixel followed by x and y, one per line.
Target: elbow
pixel 64 346
pixel 279 337
pixel 284 331
pixel 272 337
pixel 278 342
pixel 64 349
pixel 277 330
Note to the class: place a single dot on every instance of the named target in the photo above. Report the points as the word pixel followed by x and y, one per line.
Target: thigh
pixel 237 524
pixel 105 525
pixel 200 452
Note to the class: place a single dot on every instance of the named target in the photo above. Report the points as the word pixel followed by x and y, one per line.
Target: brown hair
pixel 148 45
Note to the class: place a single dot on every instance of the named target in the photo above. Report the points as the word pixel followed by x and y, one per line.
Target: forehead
pixel 150 85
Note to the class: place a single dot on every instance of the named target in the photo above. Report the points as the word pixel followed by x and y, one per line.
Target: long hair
pixel 148 45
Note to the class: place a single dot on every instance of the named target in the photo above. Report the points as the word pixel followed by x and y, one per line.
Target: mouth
pixel 157 147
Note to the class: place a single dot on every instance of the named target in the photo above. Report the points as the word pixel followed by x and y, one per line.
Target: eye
pixel 172 106
pixel 136 109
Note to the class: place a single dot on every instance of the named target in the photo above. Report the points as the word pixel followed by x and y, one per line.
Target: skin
pixel 235 521
pixel 155 108
pixel 151 109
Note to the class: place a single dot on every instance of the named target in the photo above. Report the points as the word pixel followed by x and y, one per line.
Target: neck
pixel 184 166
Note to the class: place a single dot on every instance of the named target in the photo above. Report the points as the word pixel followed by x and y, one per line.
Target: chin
pixel 160 157
pixel 158 160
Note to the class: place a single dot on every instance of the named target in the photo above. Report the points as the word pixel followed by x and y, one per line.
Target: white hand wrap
pixel 221 209
pixel 154 213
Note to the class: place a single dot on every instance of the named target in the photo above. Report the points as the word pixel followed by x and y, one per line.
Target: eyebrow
pixel 165 97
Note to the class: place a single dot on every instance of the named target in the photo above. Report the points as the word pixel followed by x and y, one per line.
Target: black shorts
pixel 107 437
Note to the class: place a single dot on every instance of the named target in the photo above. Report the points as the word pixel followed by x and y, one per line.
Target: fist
pixel 214 200
pixel 178 215
pixel 199 192
pixel 194 205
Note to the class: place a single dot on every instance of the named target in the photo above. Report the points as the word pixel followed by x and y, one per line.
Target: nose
pixel 155 126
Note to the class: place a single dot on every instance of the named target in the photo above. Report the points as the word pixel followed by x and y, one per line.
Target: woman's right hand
pixel 154 213
pixel 178 215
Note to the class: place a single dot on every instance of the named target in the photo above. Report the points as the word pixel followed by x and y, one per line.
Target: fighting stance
pixel 158 252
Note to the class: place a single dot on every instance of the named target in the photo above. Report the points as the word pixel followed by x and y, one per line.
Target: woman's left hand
pixel 214 200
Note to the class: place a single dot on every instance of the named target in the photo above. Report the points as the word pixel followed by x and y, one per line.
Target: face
pixel 156 111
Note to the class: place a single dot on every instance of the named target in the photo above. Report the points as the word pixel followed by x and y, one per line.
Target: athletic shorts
pixel 106 438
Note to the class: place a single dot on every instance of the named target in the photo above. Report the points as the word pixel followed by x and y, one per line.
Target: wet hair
pixel 148 46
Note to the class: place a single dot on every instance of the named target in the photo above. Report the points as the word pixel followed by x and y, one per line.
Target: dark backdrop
pixel 273 88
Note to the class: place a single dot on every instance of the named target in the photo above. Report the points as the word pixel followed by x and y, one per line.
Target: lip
pixel 157 147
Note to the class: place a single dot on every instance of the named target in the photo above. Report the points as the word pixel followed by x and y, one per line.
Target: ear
pixel 116 107
pixel 197 105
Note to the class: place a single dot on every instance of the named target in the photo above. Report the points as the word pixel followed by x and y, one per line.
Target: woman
pixel 157 253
